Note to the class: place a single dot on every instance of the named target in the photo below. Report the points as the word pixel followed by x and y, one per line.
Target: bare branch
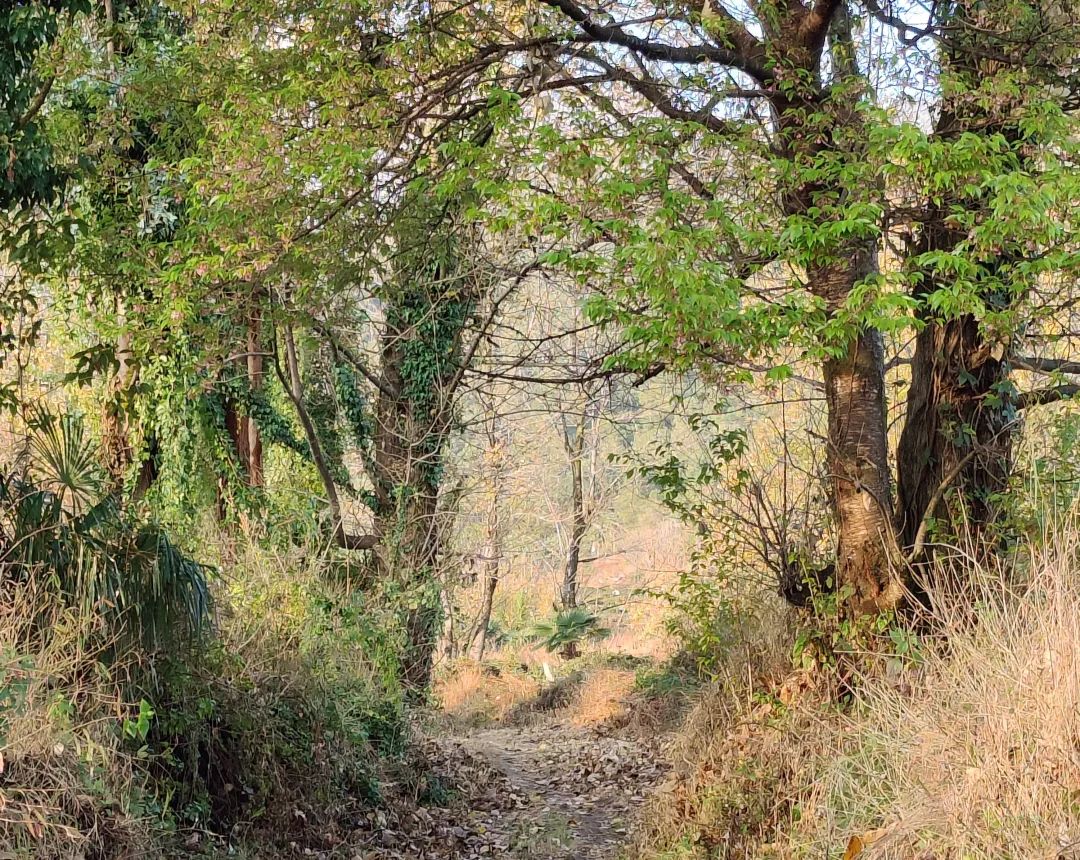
pixel 1046 365
pixel 1043 396
pixel 614 34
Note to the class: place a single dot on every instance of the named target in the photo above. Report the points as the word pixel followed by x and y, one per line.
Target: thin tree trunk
pixel 117 452
pixel 492 560
pixel 574 442
pixel 483 621
pixel 294 387
pixel 256 376
pixel 575 448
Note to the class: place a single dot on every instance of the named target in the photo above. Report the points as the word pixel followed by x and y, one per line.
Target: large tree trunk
pixel 858 454
pixel 408 550
pixel 405 469
pixel 956 434
pixel 955 451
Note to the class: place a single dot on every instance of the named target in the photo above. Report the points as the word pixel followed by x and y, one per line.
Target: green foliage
pixel 570 627
pixel 30 176
pixel 26 30
pixel 703 615
pixel 64 459
pixel 96 556
pixel 296 701
pixel 128 573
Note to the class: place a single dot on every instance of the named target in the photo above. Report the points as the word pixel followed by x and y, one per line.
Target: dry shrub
pixel 69 784
pixel 276 729
pixel 970 753
pixel 736 757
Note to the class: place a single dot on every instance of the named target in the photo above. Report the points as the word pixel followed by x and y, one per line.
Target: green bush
pixel 569 628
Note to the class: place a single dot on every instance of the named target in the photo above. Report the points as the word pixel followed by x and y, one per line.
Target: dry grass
pixel 983 759
pixel 973 753
pixel 602 698
pixel 473 695
pixel 285 708
pixel 67 786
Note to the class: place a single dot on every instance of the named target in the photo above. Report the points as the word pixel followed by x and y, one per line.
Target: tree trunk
pixel 294 387
pixel 405 469
pixel 408 550
pixel 116 447
pixel 492 560
pixel 574 442
pixel 957 428
pixel 955 451
pixel 574 439
pixel 483 620
pixel 256 375
pixel 858 456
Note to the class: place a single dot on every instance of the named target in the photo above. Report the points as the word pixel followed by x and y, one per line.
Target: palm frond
pixel 126 572
pixel 64 460
pixel 569 626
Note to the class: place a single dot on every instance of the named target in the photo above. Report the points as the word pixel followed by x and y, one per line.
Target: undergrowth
pixel 958 740
pixel 274 728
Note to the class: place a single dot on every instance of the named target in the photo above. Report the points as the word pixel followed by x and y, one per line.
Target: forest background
pixel 372 370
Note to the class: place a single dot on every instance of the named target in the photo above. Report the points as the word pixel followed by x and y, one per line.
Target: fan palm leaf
pixel 64 460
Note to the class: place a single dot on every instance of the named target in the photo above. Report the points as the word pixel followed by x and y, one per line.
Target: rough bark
pixel 483 618
pixel 242 429
pixel 256 376
pixel 858 455
pixel 959 423
pixel 404 468
pixel 953 423
pixel 574 442
pixel 116 448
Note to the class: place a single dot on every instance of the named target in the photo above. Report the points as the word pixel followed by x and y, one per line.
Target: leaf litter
pixel 545 792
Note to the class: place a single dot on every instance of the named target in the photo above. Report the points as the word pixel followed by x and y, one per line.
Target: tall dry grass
pixel 69 785
pixel 978 754
pixel 970 751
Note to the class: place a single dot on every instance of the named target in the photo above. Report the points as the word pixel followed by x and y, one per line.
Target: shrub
pixel 569 628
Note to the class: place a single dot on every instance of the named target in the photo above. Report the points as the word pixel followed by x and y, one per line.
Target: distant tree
pixel 495 465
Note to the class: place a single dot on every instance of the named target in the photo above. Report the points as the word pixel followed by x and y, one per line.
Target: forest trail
pixel 573 790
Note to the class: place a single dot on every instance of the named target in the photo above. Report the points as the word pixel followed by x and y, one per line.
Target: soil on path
pixel 553 791
pixel 576 789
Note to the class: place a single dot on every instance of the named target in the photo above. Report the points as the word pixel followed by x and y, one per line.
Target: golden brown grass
pixel 67 787
pixel 971 753
pixel 473 695
pixel 602 698
pixel 978 756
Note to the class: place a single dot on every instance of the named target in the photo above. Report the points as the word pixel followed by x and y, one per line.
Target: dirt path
pixel 574 790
